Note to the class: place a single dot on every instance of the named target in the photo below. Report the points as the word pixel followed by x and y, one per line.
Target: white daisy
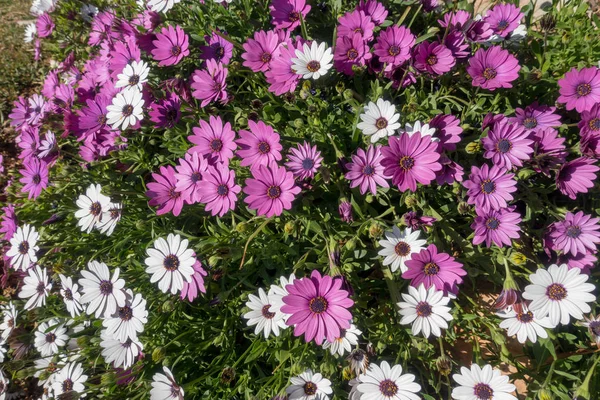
pixel 593 325
pixel 161 5
pixel 309 386
pixel 38 7
pixel 358 360
pixel 164 387
pixel 134 75
pixel 265 320
pixel 2 349
pixel 170 263
pixel 422 129
pixel 399 247
pixel 314 61
pixel 426 310
pixel 30 32
pixel 518 34
pixel 482 384
pixel 354 393
pixel 3 385
pixel 126 109
pixel 74 329
pixel 129 319
pixel 50 336
pixel 48 145
pixel 36 287
pixel 46 369
pixel 71 296
pixel 347 339
pixel 92 206
pixel 559 293
pixel 23 247
pixel 9 320
pixel 379 120
pixel 101 293
pixel 69 378
pixel 525 324
pixel 278 292
pixel 381 382
pixel 110 219
pixel 121 354
pixel 88 12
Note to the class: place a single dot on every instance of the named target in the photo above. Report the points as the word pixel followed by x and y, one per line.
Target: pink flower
pixel 590 121
pixel 259 146
pixel 578 234
pixel 44 25
pixel 493 68
pixel 416 221
pixel 9 223
pixel 366 170
pixel 209 84
pixel 214 139
pixel 190 290
pixel 373 9
pixel 490 188
pixel 29 142
pixel 394 44
pixel 576 176
pixel 305 161
pixel 345 211
pixel 503 18
pixel 508 145
pixel 434 269
pixel 20 113
pixel 163 192
pixel 189 175
pixel 170 46
pixel 433 58
pixel 536 116
pixel 580 90
pixel 318 307
pixel 356 22
pixel 447 130
pixel 549 150
pixel 35 177
pixel 458 20
pixel 166 113
pixel 37 109
pixel 286 13
pixel 451 171
pixel 260 50
pixel 498 227
pixel 218 189
pixel 350 51
pixel 281 77
pixel 217 49
pixel 270 190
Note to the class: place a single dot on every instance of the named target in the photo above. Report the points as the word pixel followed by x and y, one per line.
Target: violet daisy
pixel 536 116
pixel 433 58
pixel 503 18
pixel 451 171
pixel 490 188
pixel 35 177
pixel 23 247
pixel 214 139
pixel 170 46
pixel 217 49
pixel 394 44
pixel 19 114
pixel 447 130
pixel 356 22
pixel 45 25
pixel 281 76
pixel 36 288
pixel 432 268
pixel 209 84
pixel 456 19
pixel 410 159
pixel 366 170
pixel 102 293
pixel 590 122
pixel 270 190
pixel 318 307
pixel 189 174
pixel 170 263
pixel 286 13
pixel 456 42
pixel 9 223
pixel 260 50
pixel 493 68
pixel 580 89
pixel 29 142
pixel 92 117
pixel 258 146
pixel 373 9
pixel 577 176
pixel 163 192
pixel 496 226
pixel 37 109
pixel 577 234
pixel 350 51
pixel 191 289
pixel 218 189
pixel 166 113
pixel 549 150
pixel 48 147
pixel 305 161
pixel 507 145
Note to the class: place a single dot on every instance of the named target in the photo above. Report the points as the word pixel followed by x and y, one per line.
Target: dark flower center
pixel 220 52
pixel 583 89
pixel 313 66
pixel 106 287
pixel 125 313
pixel 127 343
pixel 556 292
pixel 264 148
pixel 368 170
pixel 492 223
pixel 222 190
pixel 489 73
pixel 50 337
pixel 573 232
pixel 273 192
pixel 265 57
pixel 359 30
pixel 216 145
pixel 173 193
pixel 195 177
pixel 423 309
pixel 530 122
pixel 293 16
pixel 502 25
pixel 406 163
pixel 503 146
pixel 394 50
pixel 483 391
pixel 381 123
pixel 431 269
pixel 67 385
pixel 68 294
pixel 175 51
pixel 308 164
pixel 172 115
pixel 358 355
pixel 388 388
pixel 41 288
pixel 24 247
pixel 310 389
pixel 134 80
pixel 96 209
pixel 127 110
pixel 171 262
pixel 266 313
pixel 318 305
pixel 352 54
pixel 402 249
pixel 594 124
pixel 432 60
pixel 488 187
pixel 115 213
pixel 36 179
pixel 595 327
pixel 525 317
pixel 101 119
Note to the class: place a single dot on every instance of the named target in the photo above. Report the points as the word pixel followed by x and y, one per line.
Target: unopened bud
pixel 444 365
pixel 158 354
pixel 411 200
pixel 375 230
pixel 473 147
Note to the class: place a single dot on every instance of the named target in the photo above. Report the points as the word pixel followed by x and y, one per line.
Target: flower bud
pixel 350 245
pixel 463 208
pixel 289 227
pixel 375 230
pixel 473 147
pixel 339 87
pixel 167 306
pixel 242 227
pixel 345 211
pixel 228 375
pixel 545 394
pixel 547 22
pixel 348 94
pixel 411 200
pixel 444 365
pixel 517 258
pixel 108 379
pixel 158 354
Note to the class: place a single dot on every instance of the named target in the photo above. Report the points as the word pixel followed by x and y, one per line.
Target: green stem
pixel 303 27
pixel 250 239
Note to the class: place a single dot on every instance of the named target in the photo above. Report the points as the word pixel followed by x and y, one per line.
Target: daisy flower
pixel 30 32
pixel 318 307
pixel 218 190
pixel 399 246
pixel 524 324
pixel 359 361
pixel 305 161
pixel 190 290
pixel 580 89
pixel 503 19
pixel 69 378
pixel 163 192
pixel 71 296
pixel 121 354
pixel 170 263
pixel 373 9
pixel 507 145
pixel 271 190
pixel 46 369
pixel 23 246
pixel 261 316
pixel 309 386
pixel 426 310
pixel 110 219
pixel 350 52
pixel 134 75
pixel 382 382
pixel 348 338
pixel 498 227
pixel 577 176
pixel 259 146
pixel 166 113
pixel 482 384
pixel 164 387
pixel 260 50
pixel 379 120
pixel 36 287
pixel 314 61
pixel 48 146
pixel 589 125
pixel 593 325
pixel 560 293
pixel 128 320
pixel 50 336
pixel 433 58
pixel 9 320
pixel 536 116
pixel 286 13
pixel 189 174
pixel 126 109
pixel 366 170
pixel 394 44
pixel 493 68
pixel 277 292
pixel 161 5
pixel 422 129
pixel 280 76
pixel 577 234
pixel 35 177
pixel 217 49
pixel 92 207
pixel 170 46
pixel 8 222
pixel 101 293
pixel 490 188
pixel 214 139
pixel 434 269
pixel 356 21
pixel 210 83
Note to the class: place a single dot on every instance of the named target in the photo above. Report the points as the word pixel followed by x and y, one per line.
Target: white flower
pixel 525 324
pixel 278 292
pixel 126 109
pixel 482 383
pixel 422 129
pixel 36 287
pixel 314 61
pixel 354 393
pixel 134 75
pixel 170 263
pixel 385 383
pixel 92 207
pixel 48 145
pixel 45 370
pixel 162 5
pixel 265 320
pixel 593 325
pixel 518 34
pixel 110 219
pixel 426 310
pixel 88 12
pixel 3 385
pixel 38 7
pixel 559 293
pixel 9 320
pixel 101 293
pixel 50 336
pixel 164 387
pixel 379 120
pixel 347 339
pixel 30 32
pixel 23 247
pixel 309 386
pixel 74 329
pixel 399 247
pixel 2 349
pixel 71 296
pixel 358 360
pixel 121 354
pixel 69 378
pixel 129 319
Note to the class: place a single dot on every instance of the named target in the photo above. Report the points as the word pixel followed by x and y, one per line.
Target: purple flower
pixel 493 68
pixel 451 171
pixel 260 50
pixel 35 177
pixel 503 19
pixel 394 44
pixel 270 190
pixel 350 51
pixel 401 76
pixel 51 82
pixel 582 261
pixel 209 84
pixel 163 192
pixel 455 41
pixel 214 140
pixel 373 9
pixel 429 5
pixel 496 226
pixel 356 22
pixel 536 116
pixel 189 175
pixel 590 121
pixel 166 113
pixel 366 170
pixel 217 49
pixel 37 109
pixel 281 77
pixel 170 46
pixel 433 58
pixel 123 53
pixel 479 31
pixel 9 223
pixel 508 145
pixel 305 161
pixel 580 90
pixel 447 130
pixel 93 115
pixel 29 142
pixel 432 268
pixel 589 145
pixel 218 189
pixel 101 27
pixel 286 13
pixel 549 150
pixel 190 290
pixel 578 234
pixel 44 25
pixel 415 221
pixel 456 20
pixel 576 176
pixel 490 188
pixel 259 146
pixel 20 113
pixel 345 211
